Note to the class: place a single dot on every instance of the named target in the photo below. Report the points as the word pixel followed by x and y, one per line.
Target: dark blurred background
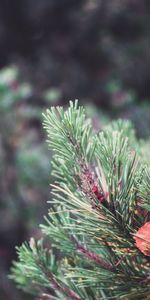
pixel 52 51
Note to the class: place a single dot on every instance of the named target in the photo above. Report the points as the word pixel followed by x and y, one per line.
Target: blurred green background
pixel 52 51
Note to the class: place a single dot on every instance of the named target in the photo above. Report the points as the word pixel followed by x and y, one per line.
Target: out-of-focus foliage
pixel 126 104
pixel 77 46
pixel 24 170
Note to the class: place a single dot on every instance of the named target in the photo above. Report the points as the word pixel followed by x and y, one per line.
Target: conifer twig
pixel 93 256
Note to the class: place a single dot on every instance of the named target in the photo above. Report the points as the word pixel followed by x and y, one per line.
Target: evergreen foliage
pixel 101 197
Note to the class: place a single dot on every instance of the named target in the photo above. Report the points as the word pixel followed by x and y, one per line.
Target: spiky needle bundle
pixel 101 197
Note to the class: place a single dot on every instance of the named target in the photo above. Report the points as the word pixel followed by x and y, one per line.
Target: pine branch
pixel 60 288
pixel 101 198
pixel 92 256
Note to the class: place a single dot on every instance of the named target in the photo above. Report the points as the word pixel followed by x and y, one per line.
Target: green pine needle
pixel 101 197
